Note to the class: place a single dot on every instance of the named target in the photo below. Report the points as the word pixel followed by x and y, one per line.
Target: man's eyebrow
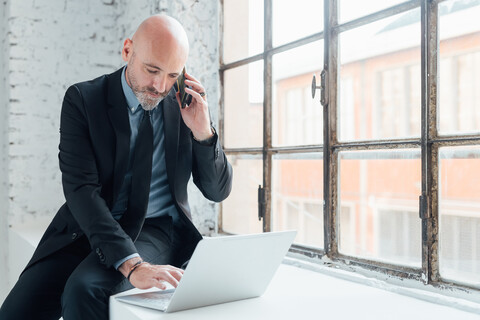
pixel 152 66
pixel 174 74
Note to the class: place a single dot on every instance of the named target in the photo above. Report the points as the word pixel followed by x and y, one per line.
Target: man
pixel 126 221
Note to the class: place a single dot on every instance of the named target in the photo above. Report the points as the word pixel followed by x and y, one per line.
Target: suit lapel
pixel 171 116
pixel 118 115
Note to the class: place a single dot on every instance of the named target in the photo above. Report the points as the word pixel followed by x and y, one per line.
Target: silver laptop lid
pixel 230 268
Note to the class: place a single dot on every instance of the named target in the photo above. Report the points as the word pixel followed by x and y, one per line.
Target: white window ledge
pixel 298 293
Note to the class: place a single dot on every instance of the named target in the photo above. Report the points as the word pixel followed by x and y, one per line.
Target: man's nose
pixel 160 83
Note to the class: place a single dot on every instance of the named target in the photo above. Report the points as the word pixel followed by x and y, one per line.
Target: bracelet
pixel 135 266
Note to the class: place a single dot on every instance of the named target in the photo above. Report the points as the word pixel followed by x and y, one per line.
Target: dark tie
pixel 133 219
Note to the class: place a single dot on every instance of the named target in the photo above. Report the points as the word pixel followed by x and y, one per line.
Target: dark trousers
pixel 72 283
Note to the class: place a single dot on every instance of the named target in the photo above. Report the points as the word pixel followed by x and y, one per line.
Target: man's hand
pixel 196 115
pixel 147 275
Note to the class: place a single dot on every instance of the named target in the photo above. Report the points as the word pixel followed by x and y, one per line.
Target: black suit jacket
pixel 94 149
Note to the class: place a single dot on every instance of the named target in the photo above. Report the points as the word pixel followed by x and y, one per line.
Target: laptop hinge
pixel 261 203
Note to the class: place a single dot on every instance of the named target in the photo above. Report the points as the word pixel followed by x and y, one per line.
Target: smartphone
pixel 185 98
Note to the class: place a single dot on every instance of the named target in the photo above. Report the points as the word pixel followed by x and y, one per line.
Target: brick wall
pixel 4 203
pixel 52 44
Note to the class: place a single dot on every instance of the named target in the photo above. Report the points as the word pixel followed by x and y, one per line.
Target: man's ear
pixel 127 49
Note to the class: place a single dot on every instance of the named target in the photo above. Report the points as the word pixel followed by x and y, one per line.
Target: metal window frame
pixel 428 143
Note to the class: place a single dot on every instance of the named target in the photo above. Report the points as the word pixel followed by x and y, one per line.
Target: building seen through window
pixel 379 98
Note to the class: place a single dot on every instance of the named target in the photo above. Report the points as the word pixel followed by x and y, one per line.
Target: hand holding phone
pixel 196 117
pixel 185 98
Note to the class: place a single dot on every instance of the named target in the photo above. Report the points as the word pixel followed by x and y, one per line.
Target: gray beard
pixel 146 102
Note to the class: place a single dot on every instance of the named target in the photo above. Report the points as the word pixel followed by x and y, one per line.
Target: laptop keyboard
pixel 156 299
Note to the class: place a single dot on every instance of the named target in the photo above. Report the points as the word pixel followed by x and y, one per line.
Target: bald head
pixel 156 55
pixel 162 32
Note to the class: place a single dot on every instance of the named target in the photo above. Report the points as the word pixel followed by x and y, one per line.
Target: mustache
pixel 154 91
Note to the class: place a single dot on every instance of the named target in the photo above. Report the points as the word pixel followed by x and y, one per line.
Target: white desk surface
pixel 296 293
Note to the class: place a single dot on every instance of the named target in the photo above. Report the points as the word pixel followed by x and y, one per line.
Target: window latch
pixel 261 203
pixel 423 204
pixel 322 87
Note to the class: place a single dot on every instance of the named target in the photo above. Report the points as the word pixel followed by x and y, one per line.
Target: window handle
pixel 322 87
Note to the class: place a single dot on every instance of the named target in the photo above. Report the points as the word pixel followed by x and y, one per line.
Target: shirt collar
pixel 132 100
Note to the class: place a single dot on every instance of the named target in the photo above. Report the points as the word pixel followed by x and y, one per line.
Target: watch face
pixel 185 98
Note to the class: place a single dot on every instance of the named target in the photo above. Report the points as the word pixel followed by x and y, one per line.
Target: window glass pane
pixel 240 209
pixel 380 79
pixel 242 29
pixel 459 211
pixel 378 206
pixel 295 21
pixel 353 9
pixel 243 106
pixel 459 71
pixel 297 118
pixel 297 196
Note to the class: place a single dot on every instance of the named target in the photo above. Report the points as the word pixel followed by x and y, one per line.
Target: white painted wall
pixel 52 44
pixel 4 203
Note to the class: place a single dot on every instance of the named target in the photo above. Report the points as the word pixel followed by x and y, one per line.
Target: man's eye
pixel 152 71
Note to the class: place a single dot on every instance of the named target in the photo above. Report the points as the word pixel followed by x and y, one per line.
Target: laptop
pixel 222 269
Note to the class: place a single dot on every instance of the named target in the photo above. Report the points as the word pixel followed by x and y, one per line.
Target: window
pixel 459 214
pixel 297 196
pixel 268 115
pixel 399 236
pixel 382 187
pixel 383 173
pixel 398 99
